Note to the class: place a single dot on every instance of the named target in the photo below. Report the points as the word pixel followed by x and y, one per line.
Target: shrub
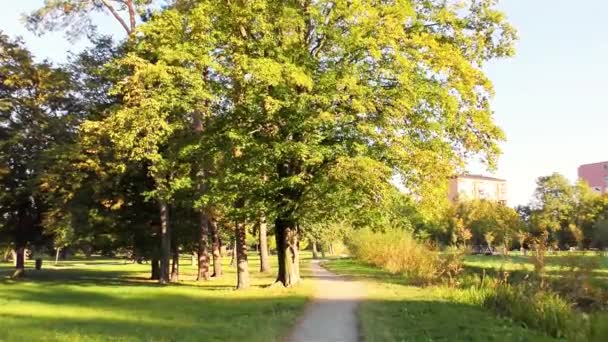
pixel 398 252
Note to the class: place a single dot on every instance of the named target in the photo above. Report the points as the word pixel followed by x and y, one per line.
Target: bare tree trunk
pixel 263 242
pixel 19 261
pixel 57 255
pixel 165 243
pixel 155 272
pixel 315 252
pixel 175 264
pixel 242 266
pixel 233 257
pixel 287 251
pixel 203 248
pixel 216 246
pixel 14 256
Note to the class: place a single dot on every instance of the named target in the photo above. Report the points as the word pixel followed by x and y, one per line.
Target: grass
pixel 395 311
pixel 106 299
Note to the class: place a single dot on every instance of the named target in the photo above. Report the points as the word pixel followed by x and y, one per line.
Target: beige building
pixel 471 187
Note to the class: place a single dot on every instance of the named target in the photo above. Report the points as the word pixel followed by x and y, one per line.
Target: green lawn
pixel 104 299
pixel 520 263
pixel 395 311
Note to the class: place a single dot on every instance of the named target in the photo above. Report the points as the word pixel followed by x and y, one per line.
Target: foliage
pixel 483 222
pixel 399 253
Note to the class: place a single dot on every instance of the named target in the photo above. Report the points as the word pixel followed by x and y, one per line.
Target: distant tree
pixel 74 16
pixel 35 116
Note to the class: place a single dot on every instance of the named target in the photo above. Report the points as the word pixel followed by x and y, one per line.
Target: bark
pixel 165 243
pixel 19 261
pixel 116 16
pixel 287 251
pixel 203 248
pixel 242 266
pixel 315 252
pixel 263 244
pixel 175 264
pixel 216 246
pixel 233 257
pixel 155 264
pixel 57 255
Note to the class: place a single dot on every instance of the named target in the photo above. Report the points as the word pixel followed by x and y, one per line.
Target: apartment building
pixel 471 187
pixel 596 175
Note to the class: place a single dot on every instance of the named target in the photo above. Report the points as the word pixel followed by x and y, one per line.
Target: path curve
pixel 331 316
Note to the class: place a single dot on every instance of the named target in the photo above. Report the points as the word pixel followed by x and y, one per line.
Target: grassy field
pixel 555 264
pixel 395 311
pixel 104 299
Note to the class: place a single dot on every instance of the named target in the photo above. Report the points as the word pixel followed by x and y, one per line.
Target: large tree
pixel 35 115
pixel 315 83
pixel 295 90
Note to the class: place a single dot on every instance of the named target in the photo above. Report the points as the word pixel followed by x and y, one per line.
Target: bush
pixel 398 252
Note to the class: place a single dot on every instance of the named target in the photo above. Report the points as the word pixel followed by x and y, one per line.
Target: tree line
pixel 212 117
pixel 562 214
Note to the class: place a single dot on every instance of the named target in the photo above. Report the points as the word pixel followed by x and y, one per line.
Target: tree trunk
pixel 264 261
pixel 57 255
pixel 233 257
pixel 315 252
pixel 287 251
pixel 203 248
pixel 242 266
pixel 19 261
pixel 216 246
pixel 165 243
pixel 155 264
pixel 175 264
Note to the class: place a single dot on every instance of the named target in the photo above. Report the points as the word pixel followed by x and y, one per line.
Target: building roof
pixel 480 177
pixel 593 164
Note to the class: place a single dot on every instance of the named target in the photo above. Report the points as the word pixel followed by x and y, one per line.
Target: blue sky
pixel 550 98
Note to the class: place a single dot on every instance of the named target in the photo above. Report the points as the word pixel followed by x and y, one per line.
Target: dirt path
pixel 332 314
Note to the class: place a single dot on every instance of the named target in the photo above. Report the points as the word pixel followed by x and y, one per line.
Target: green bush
pixel 398 252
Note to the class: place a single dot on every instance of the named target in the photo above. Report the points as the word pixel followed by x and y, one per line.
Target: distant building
pixel 596 175
pixel 471 187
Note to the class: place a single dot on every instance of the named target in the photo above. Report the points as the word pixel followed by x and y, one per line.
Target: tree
pixel 34 117
pixel 317 83
pixel 74 16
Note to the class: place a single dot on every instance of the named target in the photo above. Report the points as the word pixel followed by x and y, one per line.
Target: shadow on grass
pixel 72 314
pixel 437 320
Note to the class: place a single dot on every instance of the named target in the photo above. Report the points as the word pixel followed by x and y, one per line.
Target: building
pixel 473 187
pixel 596 175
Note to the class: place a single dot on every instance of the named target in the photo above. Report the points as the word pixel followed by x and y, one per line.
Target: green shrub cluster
pixel 398 252
pixel 530 301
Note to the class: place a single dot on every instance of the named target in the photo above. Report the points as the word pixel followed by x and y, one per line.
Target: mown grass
pixel 555 264
pixel 394 311
pixel 104 299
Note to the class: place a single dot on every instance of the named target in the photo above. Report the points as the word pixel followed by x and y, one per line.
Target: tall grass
pixel 398 252
pixel 526 300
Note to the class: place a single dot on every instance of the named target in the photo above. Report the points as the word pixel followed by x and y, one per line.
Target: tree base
pixel 19 273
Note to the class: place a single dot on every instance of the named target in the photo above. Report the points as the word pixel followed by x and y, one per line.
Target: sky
pixel 550 98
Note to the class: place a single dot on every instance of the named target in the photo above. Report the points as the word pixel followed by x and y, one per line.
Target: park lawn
pixel 395 311
pixel 521 263
pixel 106 299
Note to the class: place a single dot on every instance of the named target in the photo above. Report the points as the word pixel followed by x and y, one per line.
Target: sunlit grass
pixel 104 299
pixel 394 311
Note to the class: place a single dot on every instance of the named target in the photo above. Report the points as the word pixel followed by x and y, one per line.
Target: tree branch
pixel 131 8
pixel 116 15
